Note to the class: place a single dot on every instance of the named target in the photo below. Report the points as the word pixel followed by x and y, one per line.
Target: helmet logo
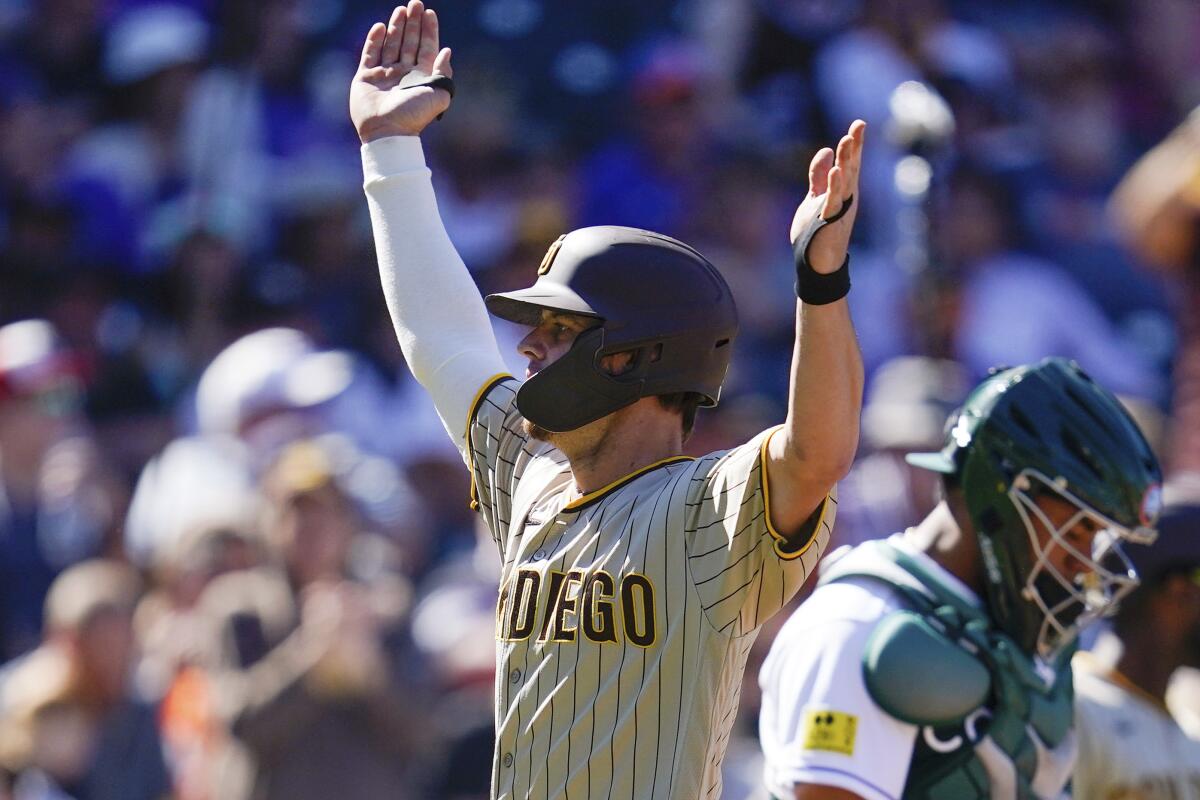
pixel 1152 505
pixel 548 259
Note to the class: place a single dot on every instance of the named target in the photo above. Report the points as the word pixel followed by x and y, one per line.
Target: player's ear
pixel 617 364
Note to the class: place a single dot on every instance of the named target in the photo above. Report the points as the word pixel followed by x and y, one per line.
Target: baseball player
pixel 1130 746
pixel 936 663
pixel 633 579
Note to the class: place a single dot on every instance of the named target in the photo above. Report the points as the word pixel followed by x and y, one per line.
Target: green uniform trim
pixel 939 664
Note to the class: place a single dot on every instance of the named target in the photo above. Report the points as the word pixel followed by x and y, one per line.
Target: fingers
pixel 395 35
pixel 845 155
pixel 849 155
pixel 373 46
pixel 441 64
pixel 412 33
pixel 427 48
pixel 858 130
pixel 833 198
pixel 818 171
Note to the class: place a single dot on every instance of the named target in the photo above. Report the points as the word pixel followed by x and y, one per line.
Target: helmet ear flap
pixel 574 391
pixel 640 359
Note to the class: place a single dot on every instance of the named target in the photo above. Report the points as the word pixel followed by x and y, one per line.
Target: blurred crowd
pixel 236 556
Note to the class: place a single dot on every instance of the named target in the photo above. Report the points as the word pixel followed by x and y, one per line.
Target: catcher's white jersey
pixel 625 616
pixel 1130 748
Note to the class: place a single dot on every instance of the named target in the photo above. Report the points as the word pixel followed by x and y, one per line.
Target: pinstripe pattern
pixel 625 617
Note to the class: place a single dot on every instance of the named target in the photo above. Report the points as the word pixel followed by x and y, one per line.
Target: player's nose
pixel 532 346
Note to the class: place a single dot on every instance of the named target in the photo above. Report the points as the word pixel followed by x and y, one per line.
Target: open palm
pixel 407 44
pixel 832 181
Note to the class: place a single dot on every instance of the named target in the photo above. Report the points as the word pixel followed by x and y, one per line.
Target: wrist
pixel 374 131
pixel 820 286
pixel 392 155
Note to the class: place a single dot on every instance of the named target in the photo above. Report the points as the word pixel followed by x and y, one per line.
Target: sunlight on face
pixel 551 338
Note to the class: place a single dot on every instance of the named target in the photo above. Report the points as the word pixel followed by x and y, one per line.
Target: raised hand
pixel 832 180
pixel 379 105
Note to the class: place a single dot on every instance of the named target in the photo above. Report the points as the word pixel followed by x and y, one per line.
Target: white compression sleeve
pixel 439 317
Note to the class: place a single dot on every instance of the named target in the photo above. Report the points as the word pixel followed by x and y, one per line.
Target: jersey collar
pixel 592 497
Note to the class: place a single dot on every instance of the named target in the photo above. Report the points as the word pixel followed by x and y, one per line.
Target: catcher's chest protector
pixel 990 724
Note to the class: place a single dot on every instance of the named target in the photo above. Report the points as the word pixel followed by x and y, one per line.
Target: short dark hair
pixel 686 404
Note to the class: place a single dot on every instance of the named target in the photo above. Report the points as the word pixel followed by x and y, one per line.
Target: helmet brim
pixel 937 462
pixel 525 306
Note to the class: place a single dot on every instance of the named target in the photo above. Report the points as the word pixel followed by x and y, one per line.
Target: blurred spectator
pixel 133 165
pixel 1014 308
pixel 654 175
pixel 53 508
pixel 73 728
pixel 454 629
pixel 896 41
pixel 42 238
pixel 252 139
pixel 167 630
pixel 175 640
pixel 740 219
pixel 1122 684
pixel 1077 113
pixel 907 404
pixel 261 392
pixel 480 166
pixel 66 58
pixel 1157 207
pixel 309 663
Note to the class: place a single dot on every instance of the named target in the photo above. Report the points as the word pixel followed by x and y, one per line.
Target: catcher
pixel 937 663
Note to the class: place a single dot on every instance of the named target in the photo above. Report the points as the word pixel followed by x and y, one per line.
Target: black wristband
pixel 812 287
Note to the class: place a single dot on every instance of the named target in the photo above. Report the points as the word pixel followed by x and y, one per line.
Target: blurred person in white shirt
pixel 1130 743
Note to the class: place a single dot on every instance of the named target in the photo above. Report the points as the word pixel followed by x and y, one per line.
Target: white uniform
pixel 625 615
pixel 818 723
pixel 1130 748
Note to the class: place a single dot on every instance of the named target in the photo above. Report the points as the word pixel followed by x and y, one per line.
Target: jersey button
pixel 515 675
pixel 508 759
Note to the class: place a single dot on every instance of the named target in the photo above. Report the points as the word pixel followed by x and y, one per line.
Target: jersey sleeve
pixel 743 569
pixel 497 453
pixel 818 724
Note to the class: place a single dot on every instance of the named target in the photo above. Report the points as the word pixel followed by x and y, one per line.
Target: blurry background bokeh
pixel 236 557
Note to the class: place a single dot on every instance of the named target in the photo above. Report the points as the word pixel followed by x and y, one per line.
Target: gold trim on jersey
pixel 782 541
pixel 472 410
pixel 592 497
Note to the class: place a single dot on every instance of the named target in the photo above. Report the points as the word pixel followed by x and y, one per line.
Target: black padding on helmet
pixel 653 295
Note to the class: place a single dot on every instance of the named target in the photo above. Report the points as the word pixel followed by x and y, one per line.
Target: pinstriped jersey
pixel 1129 744
pixel 626 615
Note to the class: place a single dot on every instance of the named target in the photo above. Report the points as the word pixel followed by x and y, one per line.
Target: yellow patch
pixel 830 730
pixel 550 254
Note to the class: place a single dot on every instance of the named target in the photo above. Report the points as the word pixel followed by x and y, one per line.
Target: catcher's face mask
pixel 1079 570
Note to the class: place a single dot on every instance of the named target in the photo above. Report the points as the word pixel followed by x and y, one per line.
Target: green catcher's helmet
pixel 1050 429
